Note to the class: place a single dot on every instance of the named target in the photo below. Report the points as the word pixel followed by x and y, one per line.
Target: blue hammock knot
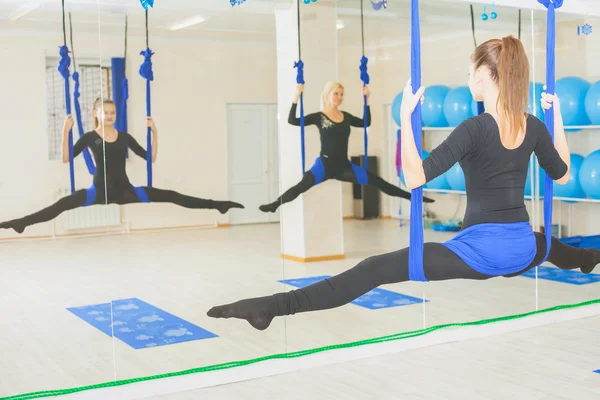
pixel 547 3
pixel 76 93
pixel 364 76
pixel 125 84
pixel 147 3
pixel 300 77
pixel 65 62
pixel 146 67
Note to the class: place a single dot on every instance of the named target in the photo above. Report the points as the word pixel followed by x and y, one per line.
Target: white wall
pixel 193 83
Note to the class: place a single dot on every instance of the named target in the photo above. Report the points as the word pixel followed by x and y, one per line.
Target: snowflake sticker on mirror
pixel 584 29
pixel 236 2
pixel 378 4
pixel 147 3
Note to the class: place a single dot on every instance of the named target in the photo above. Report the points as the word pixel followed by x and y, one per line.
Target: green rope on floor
pixel 233 364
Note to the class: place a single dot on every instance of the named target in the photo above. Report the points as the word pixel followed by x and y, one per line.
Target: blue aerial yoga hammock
pixel 89 162
pixel 63 68
pixel 552 5
pixel 148 75
pixel 415 251
pixel 480 106
pixel 300 81
pixel 121 86
pixel 364 77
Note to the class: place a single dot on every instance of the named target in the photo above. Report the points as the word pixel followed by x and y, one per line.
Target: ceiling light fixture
pixel 23 11
pixel 186 23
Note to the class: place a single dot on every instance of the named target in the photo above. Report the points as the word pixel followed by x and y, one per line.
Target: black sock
pixel 591 259
pixel 259 311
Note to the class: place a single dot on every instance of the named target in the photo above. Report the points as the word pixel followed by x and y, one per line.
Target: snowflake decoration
pixel 147 3
pixel 377 5
pixel 585 29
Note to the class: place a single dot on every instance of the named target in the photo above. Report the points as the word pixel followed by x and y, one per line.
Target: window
pixel 93 80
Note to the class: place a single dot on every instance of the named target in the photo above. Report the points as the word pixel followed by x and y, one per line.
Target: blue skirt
pixel 495 249
pixel 90 195
pixel 318 170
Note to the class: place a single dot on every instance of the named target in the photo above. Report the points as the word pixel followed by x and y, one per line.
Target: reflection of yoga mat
pixel 373 300
pixel 139 324
pixel 572 277
pixel 583 241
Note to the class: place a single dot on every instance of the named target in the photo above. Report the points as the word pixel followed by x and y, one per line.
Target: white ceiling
pixel 253 21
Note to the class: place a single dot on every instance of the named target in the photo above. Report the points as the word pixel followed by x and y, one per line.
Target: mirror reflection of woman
pixel 334 129
pixel 109 147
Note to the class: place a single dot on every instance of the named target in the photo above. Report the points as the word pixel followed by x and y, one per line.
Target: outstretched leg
pixel 348 175
pixel 169 196
pixel 563 256
pixel 70 202
pixel 439 263
pixel 308 181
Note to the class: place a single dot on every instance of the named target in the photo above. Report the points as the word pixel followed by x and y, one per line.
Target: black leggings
pixel 439 264
pixel 345 175
pixel 128 196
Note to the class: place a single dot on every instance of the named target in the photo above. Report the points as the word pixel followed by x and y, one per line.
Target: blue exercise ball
pixel 432 109
pixel 396 108
pixel 572 188
pixel 458 105
pixel 572 92
pixel 535 100
pixel 456 178
pixel 589 175
pixel 592 103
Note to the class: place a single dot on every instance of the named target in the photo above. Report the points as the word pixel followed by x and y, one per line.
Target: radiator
pixel 97 216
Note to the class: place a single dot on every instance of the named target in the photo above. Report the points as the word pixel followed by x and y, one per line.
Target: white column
pixel 311 225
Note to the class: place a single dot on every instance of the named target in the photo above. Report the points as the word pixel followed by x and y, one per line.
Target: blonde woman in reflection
pixel 109 148
pixel 334 128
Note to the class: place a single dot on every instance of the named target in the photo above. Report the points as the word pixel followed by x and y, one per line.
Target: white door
pixel 253 166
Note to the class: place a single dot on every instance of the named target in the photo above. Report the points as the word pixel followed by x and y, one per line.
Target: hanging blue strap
pixel 148 75
pixel 552 5
pixel 300 81
pixel 63 69
pixel 415 251
pixel 364 76
pixel 89 162
pixel 120 92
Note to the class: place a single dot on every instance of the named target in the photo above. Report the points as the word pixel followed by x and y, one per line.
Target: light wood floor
pixel 45 347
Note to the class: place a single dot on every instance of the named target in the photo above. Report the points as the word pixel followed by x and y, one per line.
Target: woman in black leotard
pixel 494 150
pixel 112 187
pixel 334 128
